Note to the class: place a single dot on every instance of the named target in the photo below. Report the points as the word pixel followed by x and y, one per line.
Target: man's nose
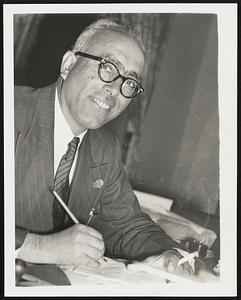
pixel 113 88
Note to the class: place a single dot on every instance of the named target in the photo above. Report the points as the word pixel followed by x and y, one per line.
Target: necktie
pixel 61 182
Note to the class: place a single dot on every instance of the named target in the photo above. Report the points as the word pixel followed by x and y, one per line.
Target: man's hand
pixel 168 261
pixel 77 245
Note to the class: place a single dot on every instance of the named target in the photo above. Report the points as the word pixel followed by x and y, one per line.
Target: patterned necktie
pixel 61 182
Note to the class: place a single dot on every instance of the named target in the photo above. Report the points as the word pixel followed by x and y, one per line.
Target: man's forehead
pixel 120 49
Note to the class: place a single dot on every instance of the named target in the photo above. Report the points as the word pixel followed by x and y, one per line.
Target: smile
pixel 100 103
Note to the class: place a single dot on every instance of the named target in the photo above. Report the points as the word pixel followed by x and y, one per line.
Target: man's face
pixel 90 102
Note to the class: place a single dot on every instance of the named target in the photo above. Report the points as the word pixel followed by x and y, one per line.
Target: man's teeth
pixel 102 104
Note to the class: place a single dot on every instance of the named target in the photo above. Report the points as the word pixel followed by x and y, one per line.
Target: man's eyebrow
pixel 112 59
pixel 133 74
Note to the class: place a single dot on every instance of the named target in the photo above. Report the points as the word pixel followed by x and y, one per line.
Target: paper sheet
pixel 114 271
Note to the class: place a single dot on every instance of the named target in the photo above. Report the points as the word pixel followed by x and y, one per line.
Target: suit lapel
pixel 40 139
pixel 41 132
pixel 89 179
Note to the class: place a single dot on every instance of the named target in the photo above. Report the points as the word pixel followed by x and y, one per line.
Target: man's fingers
pixel 89 245
pixel 171 265
pixel 94 252
pixel 90 236
pixel 96 244
pixel 87 261
pixel 91 263
pixel 89 230
pixel 184 269
pixel 170 262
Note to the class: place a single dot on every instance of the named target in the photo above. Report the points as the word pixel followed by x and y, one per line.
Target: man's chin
pixel 96 125
pixel 96 122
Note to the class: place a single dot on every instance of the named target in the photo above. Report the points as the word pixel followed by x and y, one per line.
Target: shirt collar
pixel 61 127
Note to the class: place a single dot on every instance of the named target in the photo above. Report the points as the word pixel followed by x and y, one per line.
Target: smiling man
pixel 94 91
pixel 98 79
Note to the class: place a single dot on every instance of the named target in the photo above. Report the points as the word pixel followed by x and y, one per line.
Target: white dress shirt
pixel 62 136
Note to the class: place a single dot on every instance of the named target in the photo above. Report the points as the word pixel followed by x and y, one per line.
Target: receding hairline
pixel 95 38
pixel 105 26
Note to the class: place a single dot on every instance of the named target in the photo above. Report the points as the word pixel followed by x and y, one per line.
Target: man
pixel 98 79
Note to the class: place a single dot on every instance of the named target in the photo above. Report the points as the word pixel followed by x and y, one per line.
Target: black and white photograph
pixel 120 149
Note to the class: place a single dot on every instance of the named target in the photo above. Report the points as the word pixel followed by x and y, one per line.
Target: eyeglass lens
pixel 108 72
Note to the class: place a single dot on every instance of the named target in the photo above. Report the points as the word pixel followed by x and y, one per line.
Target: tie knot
pixel 72 146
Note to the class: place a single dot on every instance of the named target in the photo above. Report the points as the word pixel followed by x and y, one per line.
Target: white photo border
pixel 227 89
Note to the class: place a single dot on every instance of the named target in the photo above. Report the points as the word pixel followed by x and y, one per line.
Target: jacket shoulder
pixel 21 90
pixel 25 101
pixel 25 95
pixel 24 104
pixel 108 136
pixel 24 98
pixel 105 144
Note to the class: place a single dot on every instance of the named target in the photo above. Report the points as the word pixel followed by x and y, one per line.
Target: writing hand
pixel 77 245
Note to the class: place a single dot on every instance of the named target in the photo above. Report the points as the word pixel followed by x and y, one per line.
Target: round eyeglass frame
pixel 119 75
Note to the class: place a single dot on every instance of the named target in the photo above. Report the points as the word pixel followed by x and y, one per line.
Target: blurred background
pixel 170 134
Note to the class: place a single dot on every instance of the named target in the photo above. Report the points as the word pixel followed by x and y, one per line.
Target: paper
pixel 114 271
pixel 154 202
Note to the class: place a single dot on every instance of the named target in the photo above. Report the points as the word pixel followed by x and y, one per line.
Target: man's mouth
pixel 100 103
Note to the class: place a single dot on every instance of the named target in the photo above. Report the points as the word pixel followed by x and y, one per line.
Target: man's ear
pixel 68 61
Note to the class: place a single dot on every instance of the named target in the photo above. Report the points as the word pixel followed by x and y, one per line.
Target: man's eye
pixel 131 84
pixel 108 68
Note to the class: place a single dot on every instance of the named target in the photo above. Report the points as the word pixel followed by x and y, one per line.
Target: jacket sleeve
pixel 128 232
pixel 22 121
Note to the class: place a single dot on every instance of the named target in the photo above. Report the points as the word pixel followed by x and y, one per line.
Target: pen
pixel 66 208
pixel 71 214
pixel 69 211
pixel 90 216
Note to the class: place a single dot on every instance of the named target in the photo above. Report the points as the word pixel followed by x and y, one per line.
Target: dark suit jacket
pixel 127 231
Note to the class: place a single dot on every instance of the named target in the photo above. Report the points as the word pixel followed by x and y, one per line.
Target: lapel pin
pixel 98 184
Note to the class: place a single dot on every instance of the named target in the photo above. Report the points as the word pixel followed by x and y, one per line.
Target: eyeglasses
pixel 108 72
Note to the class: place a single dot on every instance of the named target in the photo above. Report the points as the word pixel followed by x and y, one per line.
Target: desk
pixel 110 271
pixel 116 271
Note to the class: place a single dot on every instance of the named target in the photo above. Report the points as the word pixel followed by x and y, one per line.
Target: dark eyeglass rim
pixel 103 60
